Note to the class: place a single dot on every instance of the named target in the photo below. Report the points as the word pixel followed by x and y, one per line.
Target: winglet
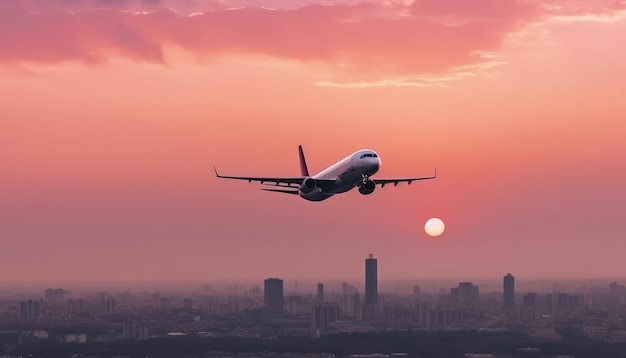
pixel 216 174
pixel 435 172
pixel 304 171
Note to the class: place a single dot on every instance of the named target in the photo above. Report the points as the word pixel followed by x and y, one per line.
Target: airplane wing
pixel 287 182
pixel 396 181
pixel 280 181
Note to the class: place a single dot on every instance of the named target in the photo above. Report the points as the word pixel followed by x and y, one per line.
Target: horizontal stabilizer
pixel 282 191
pixel 290 185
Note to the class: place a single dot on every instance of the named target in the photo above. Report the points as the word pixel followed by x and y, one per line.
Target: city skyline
pixel 560 318
pixel 112 123
pixel 121 321
pixel 367 286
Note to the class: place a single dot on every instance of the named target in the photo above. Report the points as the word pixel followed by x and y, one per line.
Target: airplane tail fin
pixel 304 171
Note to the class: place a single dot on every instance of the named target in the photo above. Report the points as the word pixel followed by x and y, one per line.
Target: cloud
pixel 381 40
pixel 482 9
pixel 434 80
pixel 90 37
pixel 610 13
pixel 181 6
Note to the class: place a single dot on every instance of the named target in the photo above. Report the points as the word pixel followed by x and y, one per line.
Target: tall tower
pixel 320 291
pixel 371 280
pixel 274 297
pixel 509 291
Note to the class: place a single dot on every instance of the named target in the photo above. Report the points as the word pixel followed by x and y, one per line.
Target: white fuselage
pixel 346 174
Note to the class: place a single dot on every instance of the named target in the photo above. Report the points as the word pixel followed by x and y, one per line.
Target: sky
pixel 114 113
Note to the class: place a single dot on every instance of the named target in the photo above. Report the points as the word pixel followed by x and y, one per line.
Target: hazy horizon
pixel 304 286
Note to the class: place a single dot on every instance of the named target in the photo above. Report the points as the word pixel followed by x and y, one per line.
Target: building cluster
pixel 351 310
pixel 30 309
pixel 600 313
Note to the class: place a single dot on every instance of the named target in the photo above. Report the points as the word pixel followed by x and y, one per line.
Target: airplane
pixel 352 171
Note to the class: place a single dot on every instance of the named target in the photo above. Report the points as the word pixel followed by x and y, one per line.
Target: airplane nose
pixel 375 166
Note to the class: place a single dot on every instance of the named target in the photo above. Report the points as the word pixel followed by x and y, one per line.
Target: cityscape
pixel 314 319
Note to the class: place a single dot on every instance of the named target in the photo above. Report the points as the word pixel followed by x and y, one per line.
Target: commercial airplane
pixel 352 171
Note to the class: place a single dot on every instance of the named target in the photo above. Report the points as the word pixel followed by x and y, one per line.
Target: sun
pixel 434 227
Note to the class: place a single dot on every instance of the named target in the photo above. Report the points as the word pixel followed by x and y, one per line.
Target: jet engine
pixel 308 185
pixel 367 187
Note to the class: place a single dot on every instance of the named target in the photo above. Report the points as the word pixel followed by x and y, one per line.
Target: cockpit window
pixel 369 155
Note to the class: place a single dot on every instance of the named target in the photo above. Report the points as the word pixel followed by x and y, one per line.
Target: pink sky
pixel 114 112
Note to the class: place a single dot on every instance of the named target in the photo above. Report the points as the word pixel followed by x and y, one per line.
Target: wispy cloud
pixel 384 40
pixel 432 80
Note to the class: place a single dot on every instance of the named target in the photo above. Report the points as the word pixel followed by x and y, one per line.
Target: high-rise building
pixel 320 291
pixel 187 303
pixel 274 297
pixel 129 331
pixel 348 289
pixel 30 309
pixel 324 314
pixel 133 330
pixel 466 294
pixel 616 289
pixel 416 290
pixel 371 280
pixel 357 307
pixel 109 306
pixel 548 300
pixel 530 299
pixel 423 314
pixel 294 305
pixel 509 291
pixel 75 306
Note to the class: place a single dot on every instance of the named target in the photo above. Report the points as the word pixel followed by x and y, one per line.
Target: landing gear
pixel 367 186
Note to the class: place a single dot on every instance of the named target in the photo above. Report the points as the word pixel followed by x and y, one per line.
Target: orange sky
pixel 112 119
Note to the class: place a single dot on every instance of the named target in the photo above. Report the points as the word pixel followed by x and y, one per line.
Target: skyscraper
pixel 320 291
pixel 274 297
pixel 509 291
pixel 371 280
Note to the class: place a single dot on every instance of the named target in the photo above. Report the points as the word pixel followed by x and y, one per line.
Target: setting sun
pixel 434 227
